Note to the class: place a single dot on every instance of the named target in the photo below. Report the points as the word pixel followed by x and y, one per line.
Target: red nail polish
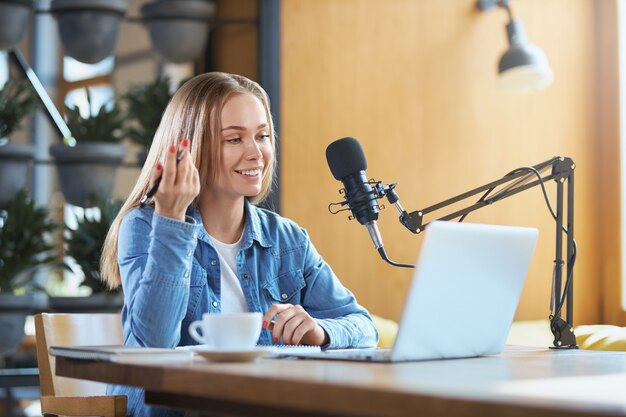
pixel 172 148
pixel 275 340
pixel 185 142
pixel 264 324
pixel 159 166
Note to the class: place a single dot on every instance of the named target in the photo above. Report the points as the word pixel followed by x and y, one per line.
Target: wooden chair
pixel 67 396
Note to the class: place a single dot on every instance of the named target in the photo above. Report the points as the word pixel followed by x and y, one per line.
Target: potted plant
pixel 83 243
pixel 23 247
pixel 17 101
pixel 89 28
pixel 145 104
pixel 179 29
pixel 14 16
pixel 89 167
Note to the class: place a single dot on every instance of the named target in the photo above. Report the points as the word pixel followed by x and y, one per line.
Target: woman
pixel 203 246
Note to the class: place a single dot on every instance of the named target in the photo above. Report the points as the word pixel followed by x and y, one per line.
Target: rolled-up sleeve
pixel 333 306
pixel 155 259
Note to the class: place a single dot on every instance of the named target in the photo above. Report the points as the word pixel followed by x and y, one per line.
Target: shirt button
pixel 283 296
pixel 214 304
pixel 186 274
pixel 245 275
pixel 190 253
pixel 214 262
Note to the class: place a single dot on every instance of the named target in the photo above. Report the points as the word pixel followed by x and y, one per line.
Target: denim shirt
pixel 171 276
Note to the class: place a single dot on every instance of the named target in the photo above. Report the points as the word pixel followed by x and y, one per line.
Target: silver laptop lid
pixel 465 291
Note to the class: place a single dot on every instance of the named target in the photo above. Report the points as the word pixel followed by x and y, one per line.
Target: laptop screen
pixel 465 290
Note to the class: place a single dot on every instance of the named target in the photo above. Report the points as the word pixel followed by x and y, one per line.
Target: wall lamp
pixel 524 67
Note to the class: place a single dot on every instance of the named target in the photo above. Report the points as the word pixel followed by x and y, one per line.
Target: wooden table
pixel 519 382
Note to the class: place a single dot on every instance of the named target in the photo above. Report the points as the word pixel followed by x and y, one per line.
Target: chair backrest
pixel 72 330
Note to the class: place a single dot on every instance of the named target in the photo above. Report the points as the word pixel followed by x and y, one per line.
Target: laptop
pixel 463 295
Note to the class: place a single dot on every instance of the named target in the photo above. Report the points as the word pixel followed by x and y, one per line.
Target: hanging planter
pixel 14 16
pixel 87 170
pixel 17 101
pixel 23 248
pixel 179 29
pixel 83 244
pixel 15 165
pixel 89 28
pixel 13 312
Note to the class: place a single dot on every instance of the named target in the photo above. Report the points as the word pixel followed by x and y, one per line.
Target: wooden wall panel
pixel 608 138
pixel 235 46
pixel 414 81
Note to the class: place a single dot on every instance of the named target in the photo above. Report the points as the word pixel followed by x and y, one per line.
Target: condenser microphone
pixel 347 163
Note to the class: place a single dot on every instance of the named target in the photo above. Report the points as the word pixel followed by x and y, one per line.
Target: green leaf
pixel 23 242
pixel 17 101
pixel 84 244
pixel 145 104
pixel 104 125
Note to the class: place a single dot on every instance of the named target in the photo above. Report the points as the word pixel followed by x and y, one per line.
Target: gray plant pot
pixel 15 166
pixel 87 170
pixel 14 16
pixel 95 303
pixel 178 29
pixel 89 28
pixel 13 312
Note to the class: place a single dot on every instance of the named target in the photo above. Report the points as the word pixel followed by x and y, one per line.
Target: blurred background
pixel 415 81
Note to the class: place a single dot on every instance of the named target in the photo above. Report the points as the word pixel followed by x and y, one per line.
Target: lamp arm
pixel 51 111
pixel 414 221
pixel 559 169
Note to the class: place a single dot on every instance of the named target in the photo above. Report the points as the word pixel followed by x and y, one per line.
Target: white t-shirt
pixel 233 300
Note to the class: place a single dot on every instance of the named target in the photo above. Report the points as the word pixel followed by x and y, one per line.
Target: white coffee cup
pixel 227 332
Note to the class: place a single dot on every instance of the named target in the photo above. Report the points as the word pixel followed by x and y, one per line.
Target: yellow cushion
pixel 601 337
pixel 387 330
pixel 530 333
pixel 533 333
pixel 590 337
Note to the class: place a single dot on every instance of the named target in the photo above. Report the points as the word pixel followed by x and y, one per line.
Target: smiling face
pixel 246 149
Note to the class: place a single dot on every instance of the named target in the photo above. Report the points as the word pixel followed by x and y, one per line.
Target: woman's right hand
pixel 180 183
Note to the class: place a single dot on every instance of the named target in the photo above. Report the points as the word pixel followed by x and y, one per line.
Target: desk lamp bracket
pixel 558 169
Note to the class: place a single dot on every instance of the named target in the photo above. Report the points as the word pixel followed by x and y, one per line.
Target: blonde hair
pixel 188 116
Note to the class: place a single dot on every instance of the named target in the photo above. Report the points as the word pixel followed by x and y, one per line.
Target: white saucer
pixel 232 356
pixel 228 355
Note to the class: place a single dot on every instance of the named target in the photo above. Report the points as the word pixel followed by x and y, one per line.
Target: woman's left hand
pixel 294 325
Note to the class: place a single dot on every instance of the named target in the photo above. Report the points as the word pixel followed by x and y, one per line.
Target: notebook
pixel 463 294
pixel 136 354
pixel 122 353
pixel 271 350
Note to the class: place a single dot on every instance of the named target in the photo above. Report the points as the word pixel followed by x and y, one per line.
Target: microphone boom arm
pixel 559 169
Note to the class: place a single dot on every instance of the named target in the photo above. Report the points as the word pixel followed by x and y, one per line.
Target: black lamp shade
pixel 524 67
